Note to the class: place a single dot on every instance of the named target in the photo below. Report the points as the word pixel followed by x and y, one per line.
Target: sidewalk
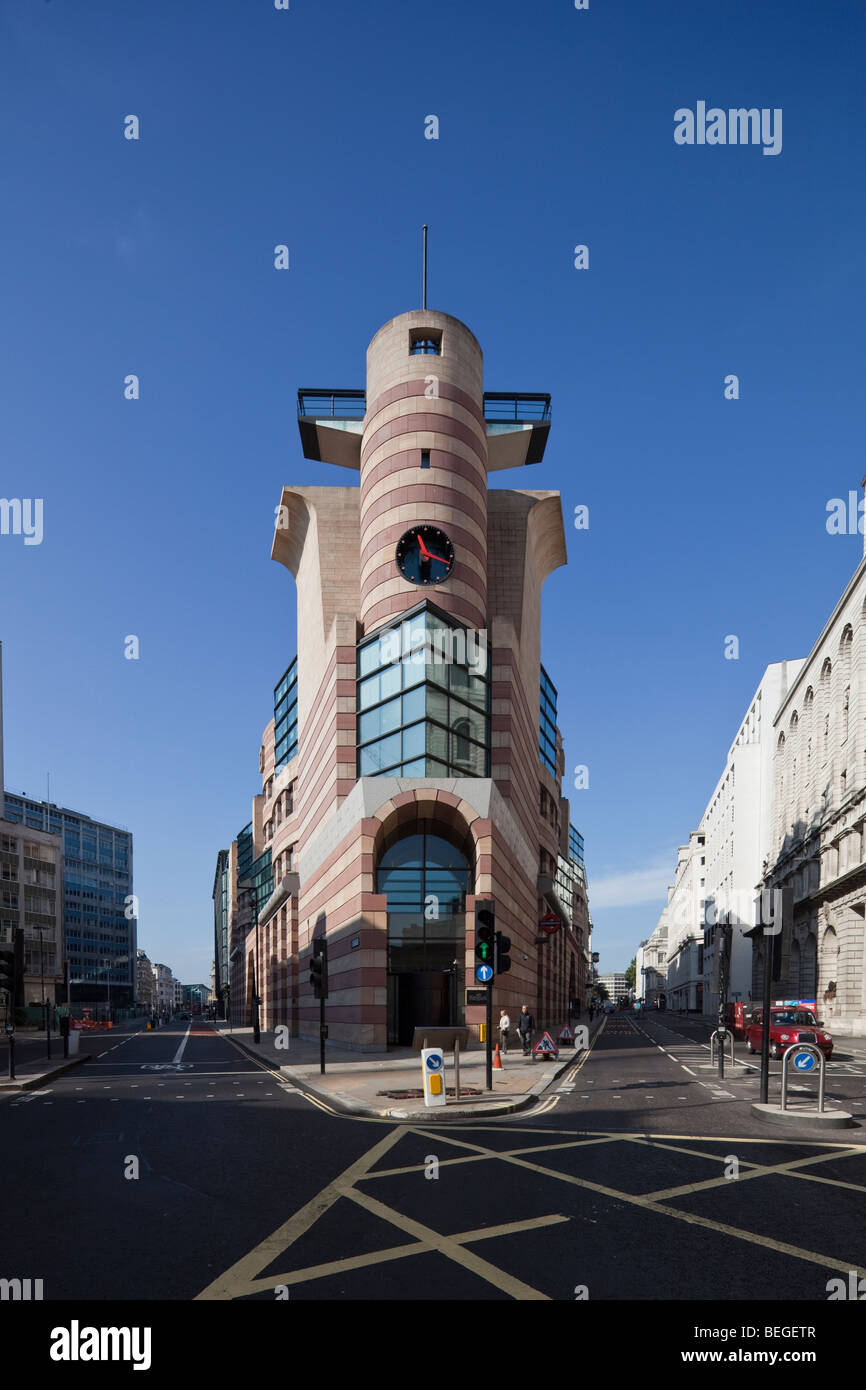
pixel 32 1068
pixel 354 1081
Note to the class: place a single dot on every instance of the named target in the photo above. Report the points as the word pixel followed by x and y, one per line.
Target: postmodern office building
pixel 413 764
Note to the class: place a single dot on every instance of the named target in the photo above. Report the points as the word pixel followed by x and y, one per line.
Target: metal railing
pixel 816 1052
pixel 516 407
pixel 333 405
pixel 500 407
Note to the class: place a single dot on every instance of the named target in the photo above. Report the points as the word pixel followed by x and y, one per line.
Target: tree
pixel 630 972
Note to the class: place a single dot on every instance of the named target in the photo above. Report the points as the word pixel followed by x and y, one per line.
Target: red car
pixel 787 1026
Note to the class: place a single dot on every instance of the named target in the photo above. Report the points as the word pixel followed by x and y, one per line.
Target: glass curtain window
pixel 422 708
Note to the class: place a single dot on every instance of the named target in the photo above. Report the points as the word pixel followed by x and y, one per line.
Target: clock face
pixel 425 555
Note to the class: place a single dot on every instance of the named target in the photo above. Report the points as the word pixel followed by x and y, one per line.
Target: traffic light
pixel 319 968
pixel 7 974
pixel 485 933
pixel 501 958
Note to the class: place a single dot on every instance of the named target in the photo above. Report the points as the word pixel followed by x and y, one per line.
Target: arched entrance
pixel 425 879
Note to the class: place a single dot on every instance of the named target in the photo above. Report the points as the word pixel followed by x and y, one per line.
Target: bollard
pixel 816 1052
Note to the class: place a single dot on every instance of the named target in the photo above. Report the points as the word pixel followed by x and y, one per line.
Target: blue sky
pixel 306 127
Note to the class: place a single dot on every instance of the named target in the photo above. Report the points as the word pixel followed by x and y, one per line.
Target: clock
pixel 425 555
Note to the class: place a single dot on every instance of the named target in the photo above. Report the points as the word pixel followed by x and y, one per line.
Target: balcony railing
pixel 500 407
pixel 516 407
pixel 333 405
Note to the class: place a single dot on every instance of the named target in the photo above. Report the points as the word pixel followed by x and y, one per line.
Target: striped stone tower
pixel 424 460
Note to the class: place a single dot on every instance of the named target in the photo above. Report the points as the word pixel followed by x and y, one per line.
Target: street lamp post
pixel 257 1032
pixel 44 1001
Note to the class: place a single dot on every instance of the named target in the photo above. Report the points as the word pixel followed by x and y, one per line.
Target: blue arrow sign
pixel 804 1061
pixel 483 973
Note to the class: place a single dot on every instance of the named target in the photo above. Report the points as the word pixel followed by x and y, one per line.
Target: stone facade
pixel 423 452
pixel 819 829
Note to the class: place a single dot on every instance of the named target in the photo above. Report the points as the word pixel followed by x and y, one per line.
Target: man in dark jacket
pixel 525 1025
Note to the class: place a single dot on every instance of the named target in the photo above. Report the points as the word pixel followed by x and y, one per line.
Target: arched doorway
pixel 425 879
pixel 829 972
pixel 794 971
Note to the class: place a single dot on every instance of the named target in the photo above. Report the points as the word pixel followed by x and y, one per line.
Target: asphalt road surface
pixel 172 1166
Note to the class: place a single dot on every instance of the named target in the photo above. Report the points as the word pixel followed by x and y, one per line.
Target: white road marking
pixel 179 1054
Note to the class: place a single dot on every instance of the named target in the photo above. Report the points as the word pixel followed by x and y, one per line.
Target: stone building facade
pixel 819 829
pixel 422 777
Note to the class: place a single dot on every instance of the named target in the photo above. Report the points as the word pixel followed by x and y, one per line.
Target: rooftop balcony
pixel 330 422
pixel 331 405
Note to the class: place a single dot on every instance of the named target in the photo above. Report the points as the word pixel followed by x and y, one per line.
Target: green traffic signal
pixel 485 931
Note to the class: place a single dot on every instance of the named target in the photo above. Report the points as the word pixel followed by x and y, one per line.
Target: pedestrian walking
pixel 525 1027
pixel 504 1025
pixel 591 1012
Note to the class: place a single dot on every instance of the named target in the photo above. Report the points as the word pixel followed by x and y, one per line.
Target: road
pixel 637 1176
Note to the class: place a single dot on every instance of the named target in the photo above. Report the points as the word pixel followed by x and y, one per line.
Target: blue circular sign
pixel 434 1062
pixel 484 973
pixel 804 1061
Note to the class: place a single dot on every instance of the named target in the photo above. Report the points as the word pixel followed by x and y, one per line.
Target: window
pixel 547 722
pixel 425 342
pixel 425 458
pixel 423 700
pixel 286 717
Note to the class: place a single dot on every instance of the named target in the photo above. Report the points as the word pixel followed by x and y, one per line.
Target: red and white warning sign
pixel 545 1047
pixel 566 1036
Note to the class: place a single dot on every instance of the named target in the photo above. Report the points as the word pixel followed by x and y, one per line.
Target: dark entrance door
pixel 423 998
pixel 425 879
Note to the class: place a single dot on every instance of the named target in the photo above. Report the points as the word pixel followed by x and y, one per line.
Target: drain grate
pixel 418 1094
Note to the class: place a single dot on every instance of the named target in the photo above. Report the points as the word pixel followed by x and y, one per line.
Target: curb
pixel 350 1106
pixel 30 1083
pixel 806 1119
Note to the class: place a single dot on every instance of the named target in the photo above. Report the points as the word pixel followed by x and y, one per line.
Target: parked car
pixel 788 1026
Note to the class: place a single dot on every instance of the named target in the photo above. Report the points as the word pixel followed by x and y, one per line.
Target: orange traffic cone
pixel 497 1060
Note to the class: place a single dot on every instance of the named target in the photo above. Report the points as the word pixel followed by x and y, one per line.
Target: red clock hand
pixel 424 551
pixel 430 556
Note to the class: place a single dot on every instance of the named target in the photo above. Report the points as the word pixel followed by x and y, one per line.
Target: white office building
pixel 737 827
